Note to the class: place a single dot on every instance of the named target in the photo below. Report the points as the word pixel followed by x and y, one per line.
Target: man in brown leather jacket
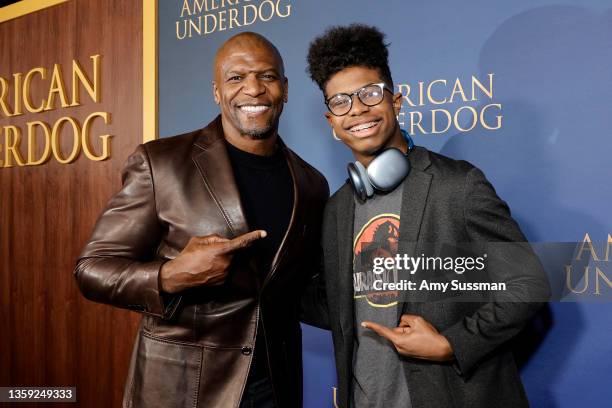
pixel 211 238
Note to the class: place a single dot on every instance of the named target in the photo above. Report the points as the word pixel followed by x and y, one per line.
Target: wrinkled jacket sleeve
pixel 488 220
pixel 118 265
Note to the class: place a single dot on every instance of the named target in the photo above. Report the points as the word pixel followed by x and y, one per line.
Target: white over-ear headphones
pixel 388 169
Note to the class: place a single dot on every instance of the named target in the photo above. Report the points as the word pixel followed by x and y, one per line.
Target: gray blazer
pixel 444 200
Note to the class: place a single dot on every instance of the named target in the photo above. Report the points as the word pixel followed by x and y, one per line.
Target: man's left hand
pixel 415 337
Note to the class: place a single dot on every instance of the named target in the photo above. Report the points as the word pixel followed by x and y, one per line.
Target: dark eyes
pixel 265 77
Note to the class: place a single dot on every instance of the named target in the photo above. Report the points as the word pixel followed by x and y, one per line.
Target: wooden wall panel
pixel 49 334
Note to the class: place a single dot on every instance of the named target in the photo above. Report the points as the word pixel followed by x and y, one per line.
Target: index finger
pixel 381 330
pixel 244 240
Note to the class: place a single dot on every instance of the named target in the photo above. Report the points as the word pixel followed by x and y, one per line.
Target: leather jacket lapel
pixel 212 161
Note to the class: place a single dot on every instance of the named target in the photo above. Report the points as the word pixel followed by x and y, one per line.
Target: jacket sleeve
pixel 510 260
pixel 117 265
pixel 315 310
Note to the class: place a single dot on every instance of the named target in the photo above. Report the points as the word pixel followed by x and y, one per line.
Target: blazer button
pixel 247 350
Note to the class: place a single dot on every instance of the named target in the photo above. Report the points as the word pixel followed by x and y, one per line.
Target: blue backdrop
pixel 538 125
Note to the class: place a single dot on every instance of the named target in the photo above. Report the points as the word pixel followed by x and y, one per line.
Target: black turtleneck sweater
pixel 266 191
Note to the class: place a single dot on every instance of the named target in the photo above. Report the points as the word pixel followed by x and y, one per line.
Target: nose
pixel 253 86
pixel 358 107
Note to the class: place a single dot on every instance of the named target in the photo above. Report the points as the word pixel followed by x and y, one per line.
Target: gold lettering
pixel 26 90
pixel 414 123
pixel 474 118
pixel 499 117
pixel 477 83
pixel 222 20
pixel 197 6
pixel 268 2
pixel 6 107
pixel 17 100
pixel 287 8
pixel 568 279
pixel 433 120
pixel 12 141
pixel 406 93
pixel 186 7
pixel 608 246
pixel 197 28
pixel 233 18
pixel 599 273
pixel 587 241
pixel 400 118
pixel 421 94
pixel 55 140
pixel 93 89
pixel 178 36
pixel 33 146
pixel 457 89
pixel 247 7
pixel 431 98
pixel 57 87
pixel 104 138
pixel 206 25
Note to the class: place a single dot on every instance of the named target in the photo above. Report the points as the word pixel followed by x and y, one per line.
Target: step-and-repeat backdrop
pixel 522 89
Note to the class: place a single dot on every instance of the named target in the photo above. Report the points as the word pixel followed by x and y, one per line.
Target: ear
pixel 398 101
pixel 286 90
pixel 330 118
pixel 216 94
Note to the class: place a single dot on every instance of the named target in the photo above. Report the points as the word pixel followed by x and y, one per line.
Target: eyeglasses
pixel 370 95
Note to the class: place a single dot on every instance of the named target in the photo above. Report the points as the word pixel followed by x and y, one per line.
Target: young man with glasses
pixel 391 353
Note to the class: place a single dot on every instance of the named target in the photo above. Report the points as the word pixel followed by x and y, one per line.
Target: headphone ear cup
pixel 388 169
pixel 358 176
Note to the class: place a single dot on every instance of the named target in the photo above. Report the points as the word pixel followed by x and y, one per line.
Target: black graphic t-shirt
pixel 378 376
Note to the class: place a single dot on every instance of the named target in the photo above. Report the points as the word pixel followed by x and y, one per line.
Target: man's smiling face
pixel 364 129
pixel 250 87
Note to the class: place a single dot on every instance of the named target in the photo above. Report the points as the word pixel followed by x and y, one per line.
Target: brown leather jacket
pixel 195 349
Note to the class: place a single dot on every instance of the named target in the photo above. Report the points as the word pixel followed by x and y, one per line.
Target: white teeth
pixel 253 108
pixel 362 126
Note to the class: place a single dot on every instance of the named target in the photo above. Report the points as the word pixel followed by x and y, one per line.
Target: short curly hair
pixel 343 47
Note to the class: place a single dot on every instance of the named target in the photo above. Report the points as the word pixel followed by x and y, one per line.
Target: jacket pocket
pixel 165 374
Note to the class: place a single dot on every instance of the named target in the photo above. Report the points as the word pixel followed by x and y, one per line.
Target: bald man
pixel 211 238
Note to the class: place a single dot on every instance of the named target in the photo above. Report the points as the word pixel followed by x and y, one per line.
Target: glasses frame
pixel 382 85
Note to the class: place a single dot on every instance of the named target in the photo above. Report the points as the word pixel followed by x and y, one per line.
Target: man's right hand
pixel 204 261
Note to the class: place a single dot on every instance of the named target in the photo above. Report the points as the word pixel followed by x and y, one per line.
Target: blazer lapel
pixel 414 200
pixel 345 220
pixel 212 161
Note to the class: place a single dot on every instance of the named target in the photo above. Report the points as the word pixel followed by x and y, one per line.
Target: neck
pixel 397 141
pixel 261 147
